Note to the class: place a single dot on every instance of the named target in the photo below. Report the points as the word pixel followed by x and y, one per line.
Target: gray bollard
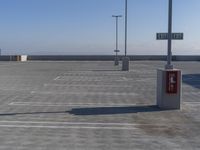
pixel 116 61
pixel 169 89
pixel 125 63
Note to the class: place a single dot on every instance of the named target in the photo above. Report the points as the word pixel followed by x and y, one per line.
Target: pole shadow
pixel 97 111
pixel 114 110
pixel 192 80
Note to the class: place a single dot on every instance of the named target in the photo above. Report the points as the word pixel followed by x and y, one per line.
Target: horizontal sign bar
pixel 116 50
pixel 164 36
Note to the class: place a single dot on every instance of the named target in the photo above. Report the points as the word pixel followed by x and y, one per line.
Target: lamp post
pixel 126 22
pixel 125 59
pixel 169 56
pixel 169 80
pixel 116 50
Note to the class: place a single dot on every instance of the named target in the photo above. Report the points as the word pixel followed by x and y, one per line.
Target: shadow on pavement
pixel 114 110
pixel 192 80
pixel 96 111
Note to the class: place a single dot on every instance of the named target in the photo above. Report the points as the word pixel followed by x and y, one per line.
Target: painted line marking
pixel 14 89
pixel 56 78
pixel 68 127
pixel 86 93
pixel 82 125
pixel 96 74
pixel 191 103
pixel 32 92
pixel 69 104
pixel 90 79
pixel 125 79
pixel 69 123
pixel 87 85
pixel 91 72
pixel 144 79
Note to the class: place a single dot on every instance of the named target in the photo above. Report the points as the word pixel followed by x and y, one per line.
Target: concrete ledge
pixel 101 58
pixel 14 58
pixel 5 58
pixel 93 57
pixel 111 57
pixel 72 57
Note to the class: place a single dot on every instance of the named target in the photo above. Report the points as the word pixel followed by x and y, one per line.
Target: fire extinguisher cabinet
pixel 169 82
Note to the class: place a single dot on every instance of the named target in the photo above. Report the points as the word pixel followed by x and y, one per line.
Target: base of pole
pixel 125 63
pixel 169 66
pixel 116 61
pixel 169 88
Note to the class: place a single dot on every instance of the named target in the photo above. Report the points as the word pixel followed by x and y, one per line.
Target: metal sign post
pixel 169 79
pixel 116 50
pixel 126 22
pixel 125 59
pixel 169 57
pixel 169 36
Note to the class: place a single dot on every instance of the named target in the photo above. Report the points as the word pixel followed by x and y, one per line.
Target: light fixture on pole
pixel 116 49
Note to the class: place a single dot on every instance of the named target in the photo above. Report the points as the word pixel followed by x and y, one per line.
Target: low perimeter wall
pixel 99 58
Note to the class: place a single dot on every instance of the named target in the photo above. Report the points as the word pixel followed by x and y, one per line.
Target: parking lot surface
pixel 82 105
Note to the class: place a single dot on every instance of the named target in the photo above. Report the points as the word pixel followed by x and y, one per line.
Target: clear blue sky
pixel 86 26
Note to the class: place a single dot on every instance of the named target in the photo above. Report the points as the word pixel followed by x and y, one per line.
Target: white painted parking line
pixel 68 127
pixel 90 79
pixel 32 92
pixel 82 125
pixel 191 103
pixel 69 123
pixel 146 80
pixel 87 85
pixel 94 72
pixel 56 78
pixel 14 89
pixel 70 104
pixel 86 93
pixel 125 79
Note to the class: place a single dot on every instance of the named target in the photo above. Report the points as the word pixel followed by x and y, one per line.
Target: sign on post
pixel 172 82
pixel 164 36
pixel 116 51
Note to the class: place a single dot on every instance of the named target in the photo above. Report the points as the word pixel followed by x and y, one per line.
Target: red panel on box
pixel 172 82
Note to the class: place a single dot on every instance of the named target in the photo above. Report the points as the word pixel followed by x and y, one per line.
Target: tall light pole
pixel 125 59
pixel 169 56
pixel 126 22
pixel 169 80
pixel 116 50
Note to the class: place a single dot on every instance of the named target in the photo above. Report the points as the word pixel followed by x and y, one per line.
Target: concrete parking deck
pixel 94 106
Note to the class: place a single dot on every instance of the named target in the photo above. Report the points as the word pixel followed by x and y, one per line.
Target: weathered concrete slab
pixel 94 106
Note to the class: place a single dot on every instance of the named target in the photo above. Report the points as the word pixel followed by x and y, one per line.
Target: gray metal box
pixel 125 63
pixel 167 100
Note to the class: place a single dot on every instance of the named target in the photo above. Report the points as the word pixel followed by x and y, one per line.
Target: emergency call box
pixel 172 82
pixel 169 82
